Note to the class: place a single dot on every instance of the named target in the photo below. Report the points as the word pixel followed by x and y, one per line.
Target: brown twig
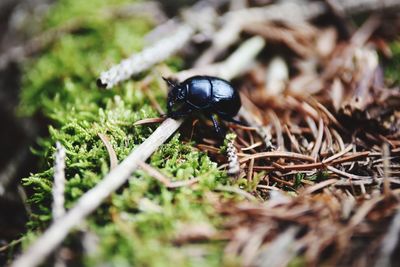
pixel 277 154
pixel 149 121
pixel 110 150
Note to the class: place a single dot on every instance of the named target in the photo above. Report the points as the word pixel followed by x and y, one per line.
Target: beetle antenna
pixel 169 82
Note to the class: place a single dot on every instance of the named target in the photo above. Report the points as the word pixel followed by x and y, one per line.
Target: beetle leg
pixel 230 119
pixel 182 112
pixel 218 129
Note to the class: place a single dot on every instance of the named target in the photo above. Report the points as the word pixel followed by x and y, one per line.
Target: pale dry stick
pixel 225 37
pixel 58 209
pixel 233 65
pixel 150 56
pixel 386 169
pixel 158 51
pixel 249 49
pixel 56 233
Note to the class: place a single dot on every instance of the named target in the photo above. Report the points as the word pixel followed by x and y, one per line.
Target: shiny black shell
pixel 212 94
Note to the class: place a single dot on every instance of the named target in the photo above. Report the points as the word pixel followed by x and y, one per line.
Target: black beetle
pixel 206 94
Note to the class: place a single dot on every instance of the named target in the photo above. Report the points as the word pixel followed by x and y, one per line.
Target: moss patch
pixel 137 225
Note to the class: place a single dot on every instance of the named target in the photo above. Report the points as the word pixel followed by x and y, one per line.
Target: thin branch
pixel 59 183
pixel 147 58
pixel 386 169
pixel 277 154
pixel 233 65
pixel 58 194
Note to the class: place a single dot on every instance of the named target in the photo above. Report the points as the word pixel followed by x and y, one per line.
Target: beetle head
pixel 176 95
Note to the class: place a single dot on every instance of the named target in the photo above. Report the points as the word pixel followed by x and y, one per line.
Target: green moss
pixel 138 224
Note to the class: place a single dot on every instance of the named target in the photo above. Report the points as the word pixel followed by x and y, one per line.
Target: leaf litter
pixel 328 191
